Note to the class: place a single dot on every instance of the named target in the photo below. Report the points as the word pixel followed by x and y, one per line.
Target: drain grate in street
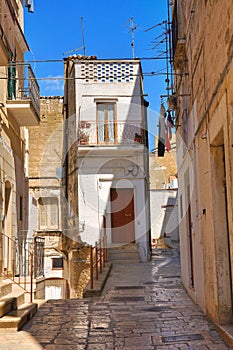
pixel 170 276
pixel 171 286
pixel 182 338
pixel 99 328
pixel 157 309
pixel 128 287
pixel 128 299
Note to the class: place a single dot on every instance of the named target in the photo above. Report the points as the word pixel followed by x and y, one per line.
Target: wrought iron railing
pixel 22 84
pixel 94 133
pixel 22 260
pixel 98 258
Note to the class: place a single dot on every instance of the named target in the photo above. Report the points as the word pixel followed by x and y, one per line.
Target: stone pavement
pixel 143 306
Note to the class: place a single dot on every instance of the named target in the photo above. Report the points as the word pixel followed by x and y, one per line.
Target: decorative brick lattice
pixel 107 72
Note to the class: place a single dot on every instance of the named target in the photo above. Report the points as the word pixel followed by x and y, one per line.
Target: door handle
pixel 128 214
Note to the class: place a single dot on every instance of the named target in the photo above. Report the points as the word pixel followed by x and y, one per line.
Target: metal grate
pixel 128 287
pixel 127 299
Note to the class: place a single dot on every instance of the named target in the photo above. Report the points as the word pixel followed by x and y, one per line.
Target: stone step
pixel 124 261
pixel 124 247
pixel 124 253
pixel 16 319
pixel 11 301
pixel 5 287
pixel 7 305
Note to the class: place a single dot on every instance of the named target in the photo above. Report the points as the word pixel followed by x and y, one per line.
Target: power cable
pixel 86 60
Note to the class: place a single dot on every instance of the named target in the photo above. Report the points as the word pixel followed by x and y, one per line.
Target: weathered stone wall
pixel 47 153
pixel 205 98
pixel 79 271
pixel 46 140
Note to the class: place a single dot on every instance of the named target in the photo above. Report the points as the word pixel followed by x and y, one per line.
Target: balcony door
pixel 106 126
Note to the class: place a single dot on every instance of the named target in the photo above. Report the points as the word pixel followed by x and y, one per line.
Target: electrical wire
pixel 98 78
pixel 86 60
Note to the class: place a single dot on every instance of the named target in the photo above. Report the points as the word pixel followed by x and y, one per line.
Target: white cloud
pixel 52 85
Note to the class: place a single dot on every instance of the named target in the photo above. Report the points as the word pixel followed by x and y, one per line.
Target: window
pixel 181 207
pixel 21 208
pixel 106 126
pixel 48 213
pixel 57 263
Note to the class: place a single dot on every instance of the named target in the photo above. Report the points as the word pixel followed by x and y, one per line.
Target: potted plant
pixel 83 137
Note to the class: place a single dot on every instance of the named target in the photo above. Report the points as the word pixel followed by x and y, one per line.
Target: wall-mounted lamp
pixel 133 170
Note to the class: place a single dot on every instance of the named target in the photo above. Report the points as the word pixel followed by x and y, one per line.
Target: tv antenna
pixel 83 47
pixel 133 27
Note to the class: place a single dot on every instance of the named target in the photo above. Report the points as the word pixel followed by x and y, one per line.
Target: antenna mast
pixel 133 27
pixel 84 47
pixel 83 42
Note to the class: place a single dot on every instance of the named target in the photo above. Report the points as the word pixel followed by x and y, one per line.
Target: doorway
pixel 221 231
pixel 122 215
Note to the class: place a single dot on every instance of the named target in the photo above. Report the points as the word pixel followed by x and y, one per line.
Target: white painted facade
pixel 119 163
pixel 164 216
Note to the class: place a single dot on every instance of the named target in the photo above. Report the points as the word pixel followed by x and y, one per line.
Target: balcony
pixel 23 101
pixel 178 36
pixel 91 133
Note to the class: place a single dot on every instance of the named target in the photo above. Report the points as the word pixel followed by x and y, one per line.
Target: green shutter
pixel 11 81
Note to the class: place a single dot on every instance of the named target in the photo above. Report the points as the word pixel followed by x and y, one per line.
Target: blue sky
pixel 55 28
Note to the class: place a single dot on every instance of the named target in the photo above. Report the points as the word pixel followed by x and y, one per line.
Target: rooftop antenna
pixel 133 27
pixel 84 47
pixel 165 38
pixel 83 42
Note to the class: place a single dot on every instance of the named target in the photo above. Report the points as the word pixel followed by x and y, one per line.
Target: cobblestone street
pixel 143 306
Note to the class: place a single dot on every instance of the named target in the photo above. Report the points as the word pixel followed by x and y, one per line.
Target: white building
pixel 107 162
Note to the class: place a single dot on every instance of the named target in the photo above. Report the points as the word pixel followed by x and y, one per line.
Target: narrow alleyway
pixel 143 306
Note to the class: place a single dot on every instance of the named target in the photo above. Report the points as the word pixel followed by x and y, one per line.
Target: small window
pixel 48 213
pixel 57 263
pixel 21 208
pixel 181 206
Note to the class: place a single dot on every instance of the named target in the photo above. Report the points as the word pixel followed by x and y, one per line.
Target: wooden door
pixel 122 215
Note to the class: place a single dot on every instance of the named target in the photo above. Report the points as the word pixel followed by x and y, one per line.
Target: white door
pixel 55 289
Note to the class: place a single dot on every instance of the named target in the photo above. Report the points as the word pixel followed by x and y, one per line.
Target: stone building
pixel 63 278
pixel 203 53
pixel 19 108
pixel 45 192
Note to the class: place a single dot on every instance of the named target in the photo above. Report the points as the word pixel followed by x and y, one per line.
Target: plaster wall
pixel 164 221
pixel 96 178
